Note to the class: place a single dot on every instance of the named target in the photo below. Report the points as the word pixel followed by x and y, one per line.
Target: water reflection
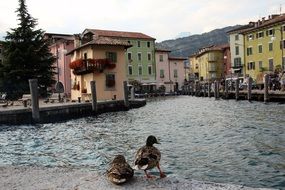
pixel 204 139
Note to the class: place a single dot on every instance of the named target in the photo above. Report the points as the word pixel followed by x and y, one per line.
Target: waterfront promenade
pixel 27 178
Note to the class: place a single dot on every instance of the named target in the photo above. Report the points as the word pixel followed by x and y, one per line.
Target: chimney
pixel 77 40
pixel 263 19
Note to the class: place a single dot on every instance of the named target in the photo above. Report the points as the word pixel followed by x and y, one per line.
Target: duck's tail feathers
pixel 118 181
pixel 137 167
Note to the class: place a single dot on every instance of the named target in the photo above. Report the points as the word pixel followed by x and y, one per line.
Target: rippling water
pixel 203 139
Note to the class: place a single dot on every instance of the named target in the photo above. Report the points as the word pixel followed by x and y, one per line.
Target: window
pixel 110 80
pixel 139 56
pixel 0 61
pixel 259 48
pixel 236 37
pixel 148 56
pixel 260 34
pixel 175 74
pixel 140 70
pixel 271 67
pixel 112 56
pixel 251 66
pixel 270 32
pixel 149 69
pixel 129 41
pixel 160 58
pixel 270 46
pixel 260 64
pixel 148 44
pixel 0 51
pixel 237 62
pixel 249 51
pixel 129 56
pixel 282 45
pixel 237 50
pixel 130 68
pixel 250 37
pixel 85 55
pixel 139 43
pixel 283 28
pixel 161 73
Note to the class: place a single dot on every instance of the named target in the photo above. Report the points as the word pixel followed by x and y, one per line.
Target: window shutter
pixel 115 57
pixel 256 35
pixel 253 65
pixel 266 32
pixel 273 32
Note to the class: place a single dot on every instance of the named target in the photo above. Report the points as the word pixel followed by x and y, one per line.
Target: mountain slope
pixel 187 46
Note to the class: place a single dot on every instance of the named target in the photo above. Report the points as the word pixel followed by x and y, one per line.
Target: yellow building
pixel 264 45
pixel 100 59
pixel 207 64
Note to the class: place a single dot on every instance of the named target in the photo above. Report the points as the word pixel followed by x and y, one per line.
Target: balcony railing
pixel 81 67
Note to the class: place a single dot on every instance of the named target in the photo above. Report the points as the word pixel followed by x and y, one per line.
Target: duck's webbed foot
pixel 162 175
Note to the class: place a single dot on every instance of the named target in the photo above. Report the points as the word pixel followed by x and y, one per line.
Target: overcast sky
pixel 161 19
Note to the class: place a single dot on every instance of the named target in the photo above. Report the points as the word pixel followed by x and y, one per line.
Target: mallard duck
pixel 120 171
pixel 148 157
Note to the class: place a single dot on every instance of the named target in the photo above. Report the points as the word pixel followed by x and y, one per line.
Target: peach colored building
pixel 177 72
pixel 60 45
pixel 170 71
pixel 101 59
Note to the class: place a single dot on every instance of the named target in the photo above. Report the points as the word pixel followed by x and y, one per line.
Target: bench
pixel 54 97
pixel 26 99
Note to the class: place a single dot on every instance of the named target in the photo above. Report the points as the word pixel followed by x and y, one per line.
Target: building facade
pixel 99 59
pixel 264 47
pixel 209 63
pixel 60 45
pixel 140 57
pixel 237 49
pixel 1 53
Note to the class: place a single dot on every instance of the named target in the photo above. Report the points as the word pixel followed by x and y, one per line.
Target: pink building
pixel 170 71
pixel 61 44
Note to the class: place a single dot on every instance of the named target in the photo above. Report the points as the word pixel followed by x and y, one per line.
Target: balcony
pixel 82 67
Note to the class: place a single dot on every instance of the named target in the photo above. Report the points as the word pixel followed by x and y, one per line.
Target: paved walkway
pixel 29 178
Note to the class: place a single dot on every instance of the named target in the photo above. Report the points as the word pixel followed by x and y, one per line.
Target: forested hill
pixel 186 46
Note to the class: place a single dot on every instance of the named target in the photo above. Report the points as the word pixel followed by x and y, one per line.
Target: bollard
pixel 266 84
pixel 126 94
pixel 218 89
pixel 132 93
pixel 209 89
pixel 226 89
pixel 249 88
pixel 205 90
pixel 93 95
pixel 215 89
pixel 33 83
pixel 237 89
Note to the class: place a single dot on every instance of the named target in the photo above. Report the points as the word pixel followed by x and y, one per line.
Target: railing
pixel 81 67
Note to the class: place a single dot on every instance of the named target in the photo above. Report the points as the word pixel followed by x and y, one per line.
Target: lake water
pixel 203 139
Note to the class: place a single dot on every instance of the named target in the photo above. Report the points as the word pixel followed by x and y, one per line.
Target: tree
pixel 26 56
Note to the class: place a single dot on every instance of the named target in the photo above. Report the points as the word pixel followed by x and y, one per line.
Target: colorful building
pixel 264 47
pixel 60 45
pixel 170 71
pixel 208 63
pixel 140 59
pixel 99 59
pixel 193 68
pixel 1 56
pixel 177 72
pixel 237 49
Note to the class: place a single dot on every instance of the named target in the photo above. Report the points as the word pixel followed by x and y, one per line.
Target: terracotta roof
pixel 265 23
pixel 162 50
pixel 241 28
pixel 103 41
pixel 178 58
pixel 120 34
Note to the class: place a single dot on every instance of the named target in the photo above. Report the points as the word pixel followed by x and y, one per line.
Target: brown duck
pixel 120 171
pixel 148 157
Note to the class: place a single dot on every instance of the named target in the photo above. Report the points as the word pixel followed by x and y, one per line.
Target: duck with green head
pixel 148 157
